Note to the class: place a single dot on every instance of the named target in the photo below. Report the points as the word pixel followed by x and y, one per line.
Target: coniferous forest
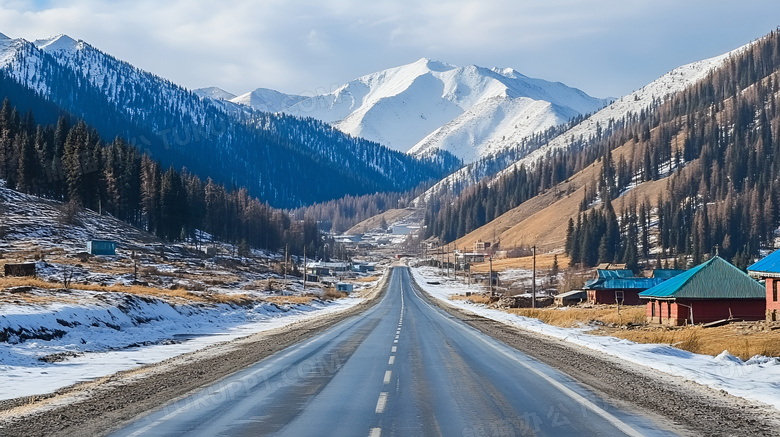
pixel 715 148
pixel 71 163
pixel 287 161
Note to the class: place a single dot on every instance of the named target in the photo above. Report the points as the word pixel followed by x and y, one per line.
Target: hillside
pixel 429 105
pixel 588 130
pixel 286 161
pixel 694 176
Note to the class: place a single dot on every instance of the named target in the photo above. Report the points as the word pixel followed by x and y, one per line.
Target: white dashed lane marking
pixel 381 403
pixel 388 376
pixel 392 360
pixel 375 432
pixel 394 349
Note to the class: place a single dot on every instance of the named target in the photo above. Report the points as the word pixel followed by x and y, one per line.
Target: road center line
pixel 388 376
pixel 375 432
pixel 392 359
pixel 394 349
pixel 381 403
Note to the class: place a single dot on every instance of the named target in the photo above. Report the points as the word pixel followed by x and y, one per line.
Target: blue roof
pixel 769 264
pixel 714 279
pixel 622 283
pixel 620 273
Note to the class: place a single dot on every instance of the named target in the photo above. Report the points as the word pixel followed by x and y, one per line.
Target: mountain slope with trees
pixel 284 160
pixel 696 174
pixel 71 163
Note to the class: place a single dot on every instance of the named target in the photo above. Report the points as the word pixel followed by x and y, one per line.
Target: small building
pixel 572 297
pixel 617 286
pixel 312 278
pixel 19 269
pixel 101 247
pixel 346 288
pixel 768 269
pixel 326 268
pixel 482 247
pixel 712 291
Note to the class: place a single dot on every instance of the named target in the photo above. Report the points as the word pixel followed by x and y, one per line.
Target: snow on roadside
pixel 103 333
pixel 756 379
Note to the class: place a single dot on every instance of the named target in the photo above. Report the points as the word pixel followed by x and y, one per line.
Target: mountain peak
pixel 59 42
pixel 433 65
pixel 214 92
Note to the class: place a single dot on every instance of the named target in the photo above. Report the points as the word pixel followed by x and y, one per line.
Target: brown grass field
pixel 543 262
pixel 173 295
pixel 738 338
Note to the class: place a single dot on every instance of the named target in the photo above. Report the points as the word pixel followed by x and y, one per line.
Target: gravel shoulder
pixel 685 406
pixel 97 407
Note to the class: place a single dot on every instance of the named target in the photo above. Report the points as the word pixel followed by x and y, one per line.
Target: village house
pixel 617 286
pixel 712 291
pixel 320 268
pixel 768 269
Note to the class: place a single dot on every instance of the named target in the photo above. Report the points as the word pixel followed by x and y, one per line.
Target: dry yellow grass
pixel 280 300
pixel 543 261
pixel 711 341
pixel 166 294
pixel 573 316
pixel 367 279
pixel 735 338
pixel 476 298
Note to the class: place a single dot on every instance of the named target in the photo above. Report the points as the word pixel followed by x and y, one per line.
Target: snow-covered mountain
pixel 284 160
pixel 659 90
pixel 469 111
pixel 215 93
pixel 264 99
pixel 261 99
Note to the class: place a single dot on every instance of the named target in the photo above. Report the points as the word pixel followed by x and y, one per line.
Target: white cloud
pixel 606 47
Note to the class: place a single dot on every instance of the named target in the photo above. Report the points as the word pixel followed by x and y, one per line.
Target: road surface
pixel 404 368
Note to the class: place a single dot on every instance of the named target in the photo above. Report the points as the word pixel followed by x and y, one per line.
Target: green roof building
pixel 714 290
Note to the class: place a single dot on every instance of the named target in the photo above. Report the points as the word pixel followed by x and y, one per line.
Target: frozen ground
pixel 757 378
pixel 93 334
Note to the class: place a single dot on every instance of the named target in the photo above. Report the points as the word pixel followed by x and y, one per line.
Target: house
pixel 19 269
pixel 482 246
pixel 768 269
pixel 312 278
pixel 714 290
pixel 571 297
pixel 320 268
pixel 470 258
pixel 101 247
pixel 346 288
pixel 617 286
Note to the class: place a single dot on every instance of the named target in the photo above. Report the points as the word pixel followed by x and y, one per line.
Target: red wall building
pixel 714 290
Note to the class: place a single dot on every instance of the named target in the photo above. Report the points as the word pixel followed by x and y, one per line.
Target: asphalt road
pixel 403 368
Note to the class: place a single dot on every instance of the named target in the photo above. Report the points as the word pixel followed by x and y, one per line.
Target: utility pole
pixel 285 263
pixel 490 278
pixel 533 285
pixel 305 273
pixel 448 260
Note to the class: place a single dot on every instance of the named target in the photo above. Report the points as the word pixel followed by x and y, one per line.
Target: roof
pixel 769 264
pixel 714 279
pixel 622 283
pixel 666 273
pixel 572 293
pixel 619 273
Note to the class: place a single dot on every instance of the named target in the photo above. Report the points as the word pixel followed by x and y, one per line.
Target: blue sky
pixel 604 47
